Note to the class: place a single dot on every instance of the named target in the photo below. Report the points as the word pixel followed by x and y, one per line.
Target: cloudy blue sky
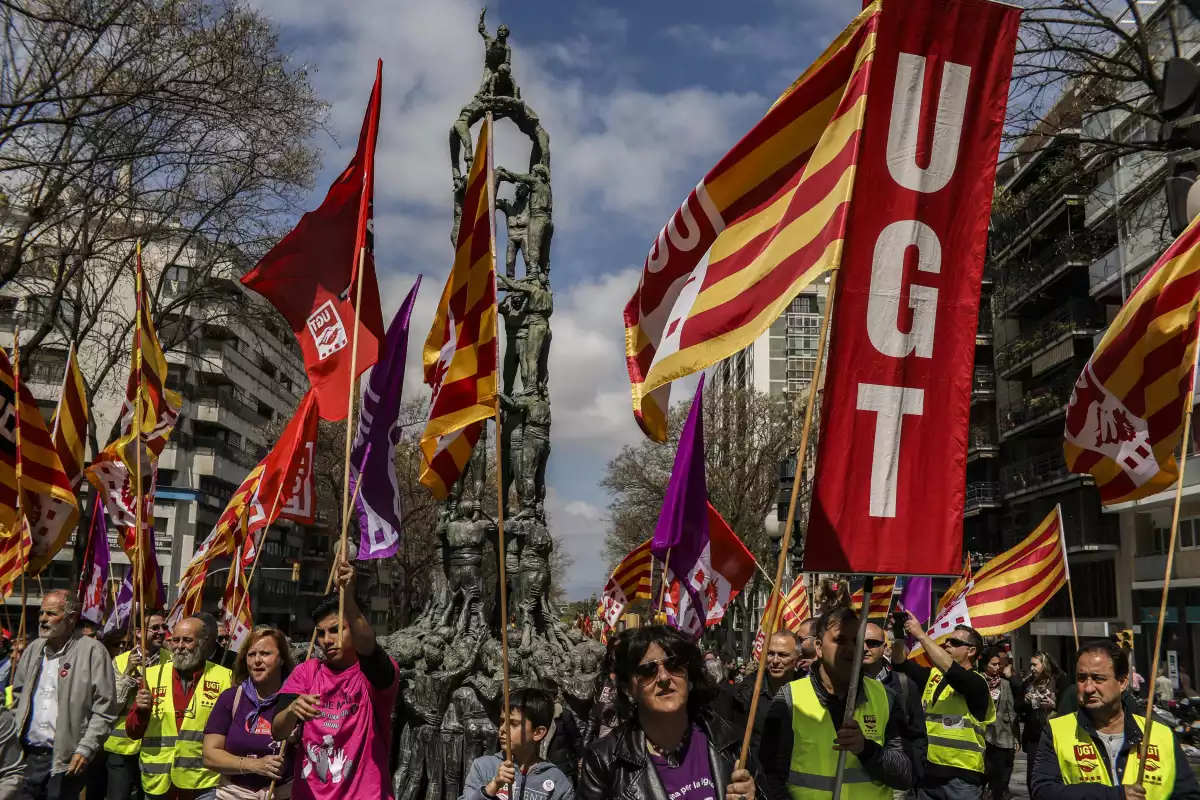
pixel 640 99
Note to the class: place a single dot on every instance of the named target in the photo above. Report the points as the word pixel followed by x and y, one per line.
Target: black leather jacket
pixel 617 766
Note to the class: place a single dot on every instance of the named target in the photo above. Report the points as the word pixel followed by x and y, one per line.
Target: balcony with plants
pixel 1038 474
pixel 1081 319
pixel 1039 405
pixel 1025 280
pixel 981 442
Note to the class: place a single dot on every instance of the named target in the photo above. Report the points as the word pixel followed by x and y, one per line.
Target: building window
pixel 48 366
pixel 805 304
pixel 1189 534
pixel 176 277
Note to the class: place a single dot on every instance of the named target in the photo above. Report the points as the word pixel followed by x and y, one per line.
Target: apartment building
pixel 240 375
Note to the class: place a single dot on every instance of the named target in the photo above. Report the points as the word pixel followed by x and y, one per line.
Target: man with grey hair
pixel 64 689
pixel 172 709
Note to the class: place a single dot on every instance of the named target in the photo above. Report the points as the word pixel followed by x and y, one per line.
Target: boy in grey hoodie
pixel 492 778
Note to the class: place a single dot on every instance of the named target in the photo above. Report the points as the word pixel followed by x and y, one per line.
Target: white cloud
pixel 579 528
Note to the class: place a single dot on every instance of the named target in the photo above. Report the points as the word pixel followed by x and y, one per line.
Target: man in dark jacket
pixel 909 696
pixel 563 745
pixel 883 758
pixel 1094 753
pixel 783 653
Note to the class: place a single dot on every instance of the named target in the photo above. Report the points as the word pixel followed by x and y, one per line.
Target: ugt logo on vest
pixel 1153 763
pixel 1087 758
pixel 870 725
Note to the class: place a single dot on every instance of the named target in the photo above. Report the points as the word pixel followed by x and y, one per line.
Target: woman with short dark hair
pixel 668 737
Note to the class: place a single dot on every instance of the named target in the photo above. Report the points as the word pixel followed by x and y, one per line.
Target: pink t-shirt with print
pixel 343 752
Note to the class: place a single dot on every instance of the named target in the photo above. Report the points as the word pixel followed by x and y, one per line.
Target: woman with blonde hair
pixel 237 740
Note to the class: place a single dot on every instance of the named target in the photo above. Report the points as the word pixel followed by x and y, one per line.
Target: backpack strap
pixel 905 688
pixel 237 699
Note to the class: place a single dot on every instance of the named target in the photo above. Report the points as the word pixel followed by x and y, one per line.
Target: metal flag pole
pixel 772 613
pixel 1162 606
pixel 491 192
pixel 855 673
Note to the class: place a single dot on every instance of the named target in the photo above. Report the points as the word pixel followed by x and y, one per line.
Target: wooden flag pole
pixel 1062 538
pixel 139 567
pixel 772 615
pixel 350 428
pixel 16 365
pixel 860 641
pixel 262 543
pixel 500 549
pixel 1162 606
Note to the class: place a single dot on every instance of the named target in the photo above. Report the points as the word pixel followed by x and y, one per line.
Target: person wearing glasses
pixel 912 716
pixel 668 743
pixel 171 710
pixel 783 656
pixel 958 709
pixel 123 754
pixel 808 647
pixel 1094 754
pixel 806 727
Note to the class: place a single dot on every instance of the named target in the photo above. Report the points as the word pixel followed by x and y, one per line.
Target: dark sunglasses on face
pixel 957 643
pixel 873 643
pixel 673 664
pixel 157 627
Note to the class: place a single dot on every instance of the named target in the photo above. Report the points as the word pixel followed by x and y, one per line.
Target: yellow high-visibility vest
pixel 176 757
pixel 955 737
pixel 814 761
pixel 8 698
pixel 1082 761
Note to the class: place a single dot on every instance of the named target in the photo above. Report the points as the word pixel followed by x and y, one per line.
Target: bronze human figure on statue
pixel 529 418
pixel 533 335
pixel 497 62
pixel 516 215
pixel 540 228
pixel 463 539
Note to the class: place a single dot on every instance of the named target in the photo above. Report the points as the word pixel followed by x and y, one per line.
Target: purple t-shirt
pixel 693 778
pixel 234 725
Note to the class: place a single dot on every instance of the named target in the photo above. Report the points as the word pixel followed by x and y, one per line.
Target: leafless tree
pixel 182 124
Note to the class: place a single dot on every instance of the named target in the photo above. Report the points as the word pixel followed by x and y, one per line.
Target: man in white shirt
pixel 65 695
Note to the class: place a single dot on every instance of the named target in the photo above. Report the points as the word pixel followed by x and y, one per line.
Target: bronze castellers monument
pixel 450 658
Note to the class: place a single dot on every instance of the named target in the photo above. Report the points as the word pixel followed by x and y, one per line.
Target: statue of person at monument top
pixel 533 336
pixel 497 62
pixel 516 215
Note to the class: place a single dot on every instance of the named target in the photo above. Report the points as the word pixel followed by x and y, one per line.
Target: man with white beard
pixel 64 688
pixel 172 709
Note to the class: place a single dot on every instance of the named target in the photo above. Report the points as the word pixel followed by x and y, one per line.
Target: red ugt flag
pixel 891 467
pixel 309 276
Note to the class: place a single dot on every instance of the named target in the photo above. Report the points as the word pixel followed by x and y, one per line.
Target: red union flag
pixel 310 276
pixel 889 491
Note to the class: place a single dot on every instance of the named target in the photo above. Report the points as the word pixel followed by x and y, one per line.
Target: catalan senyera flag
pixel 771 215
pixel 1125 416
pixel 226 538
pixel 461 351
pixel 881 597
pixel 70 424
pixel 1011 588
pixel 157 405
pixel 958 587
pixel 630 581
pixel 14 557
pixel 235 608
pixel 46 501
pixel 795 611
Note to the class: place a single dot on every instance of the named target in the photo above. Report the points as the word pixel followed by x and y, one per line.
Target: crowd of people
pixel 166 718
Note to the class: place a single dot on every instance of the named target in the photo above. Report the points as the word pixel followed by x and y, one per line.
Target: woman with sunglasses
pixel 237 739
pixel 668 738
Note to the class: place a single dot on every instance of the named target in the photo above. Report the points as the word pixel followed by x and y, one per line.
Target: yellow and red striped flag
pixel 881 597
pixel 796 610
pixel 45 500
pixel 958 587
pixel 1011 588
pixel 70 423
pixel 14 556
pixel 461 351
pixel 771 214
pixel 630 581
pixel 235 607
pixel 1125 416
pixel 227 537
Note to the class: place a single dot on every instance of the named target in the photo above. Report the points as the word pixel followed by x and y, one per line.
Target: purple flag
pixel 93 585
pixel 120 615
pixel 917 597
pixel 374 454
pixel 681 535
